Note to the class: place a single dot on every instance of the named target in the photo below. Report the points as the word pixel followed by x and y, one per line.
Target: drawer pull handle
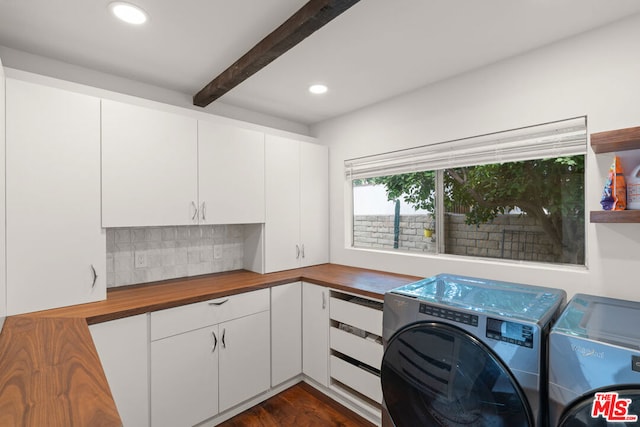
pixel 95 277
pixel 218 303
pixel 195 211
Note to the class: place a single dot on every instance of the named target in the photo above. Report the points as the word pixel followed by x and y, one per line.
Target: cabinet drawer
pixel 360 316
pixel 357 378
pixel 185 318
pixel 362 349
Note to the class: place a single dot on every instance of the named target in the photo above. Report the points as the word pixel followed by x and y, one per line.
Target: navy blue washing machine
pixel 462 351
pixel 594 364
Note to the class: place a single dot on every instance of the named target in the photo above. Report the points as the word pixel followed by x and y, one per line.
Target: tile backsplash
pixel 140 255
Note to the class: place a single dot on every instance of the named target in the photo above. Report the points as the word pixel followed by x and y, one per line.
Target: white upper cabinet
pixel 314 203
pixel 149 167
pixel 56 249
pixel 282 225
pixel 297 204
pixel 231 174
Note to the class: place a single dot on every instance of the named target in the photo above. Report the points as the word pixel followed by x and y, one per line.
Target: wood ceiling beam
pixel 308 19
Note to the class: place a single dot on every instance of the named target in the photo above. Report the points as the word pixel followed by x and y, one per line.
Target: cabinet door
pixel 230 174
pixel 286 332
pixel 315 333
pixel 123 349
pixel 314 203
pixel 244 359
pixel 149 167
pixel 55 245
pixel 184 378
pixel 282 223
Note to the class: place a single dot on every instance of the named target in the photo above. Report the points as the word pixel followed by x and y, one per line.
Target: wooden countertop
pixel 50 372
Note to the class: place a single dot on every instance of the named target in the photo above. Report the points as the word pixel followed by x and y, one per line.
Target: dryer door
pixel 615 407
pixel 435 374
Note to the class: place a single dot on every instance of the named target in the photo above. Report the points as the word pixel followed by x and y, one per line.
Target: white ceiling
pixel 374 51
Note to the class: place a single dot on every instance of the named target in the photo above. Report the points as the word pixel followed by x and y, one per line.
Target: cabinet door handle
pixel 203 209
pixel 215 341
pixel 303 250
pixel 297 252
pixel 224 333
pixel 218 303
pixel 95 277
pixel 324 301
pixel 195 211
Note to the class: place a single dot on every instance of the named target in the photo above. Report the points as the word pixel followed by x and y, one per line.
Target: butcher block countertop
pixel 50 372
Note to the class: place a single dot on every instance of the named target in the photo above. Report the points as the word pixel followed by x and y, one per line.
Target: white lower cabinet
pixel 123 349
pixel 184 378
pixel 208 357
pixel 356 348
pixel 244 359
pixel 286 332
pixel 315 333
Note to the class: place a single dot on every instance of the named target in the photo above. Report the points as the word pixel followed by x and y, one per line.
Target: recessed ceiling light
pixel 318 89
pixel 128 13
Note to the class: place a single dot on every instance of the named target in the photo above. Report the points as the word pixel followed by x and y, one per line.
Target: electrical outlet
pixel 140 259
pixel 217 252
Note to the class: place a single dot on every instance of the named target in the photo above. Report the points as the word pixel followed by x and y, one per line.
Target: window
pixel 516 195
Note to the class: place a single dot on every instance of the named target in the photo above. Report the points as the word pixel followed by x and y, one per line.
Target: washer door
pixel 435 374
pixel 579 414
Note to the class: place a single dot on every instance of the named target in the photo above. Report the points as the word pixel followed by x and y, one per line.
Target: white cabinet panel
pixel 286 332
pixel 366 318
pixel 184 378
pixel 123 347
pixel 244 359
pixel 199 368
pixel 149 167
pixel 282 227
pixel 314 203
pixel 54 240
pixel 231 174
pixel 297 204
pixel 173 321
pixel 359 379
pixel 315 332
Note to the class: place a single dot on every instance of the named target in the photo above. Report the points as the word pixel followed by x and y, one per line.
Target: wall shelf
pixel 616 140
pixel 615 216
pixel 608 142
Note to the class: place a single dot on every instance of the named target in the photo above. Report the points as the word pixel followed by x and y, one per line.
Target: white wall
pixel 596 74
pixel 3 288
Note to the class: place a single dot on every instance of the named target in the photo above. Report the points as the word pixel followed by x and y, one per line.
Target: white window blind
pixel 557 139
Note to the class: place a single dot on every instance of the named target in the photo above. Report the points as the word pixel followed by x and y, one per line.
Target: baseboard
pixel 230 413
pixel 350 401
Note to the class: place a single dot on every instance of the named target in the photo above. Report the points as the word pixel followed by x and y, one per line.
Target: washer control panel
pixel 445 313
pixel 511 332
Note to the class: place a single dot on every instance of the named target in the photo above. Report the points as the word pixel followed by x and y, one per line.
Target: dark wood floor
pixel 299 406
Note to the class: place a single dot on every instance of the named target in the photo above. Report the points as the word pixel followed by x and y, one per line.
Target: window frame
pixel 440 209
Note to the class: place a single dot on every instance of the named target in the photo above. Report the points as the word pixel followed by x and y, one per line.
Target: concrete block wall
pixel 507 236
